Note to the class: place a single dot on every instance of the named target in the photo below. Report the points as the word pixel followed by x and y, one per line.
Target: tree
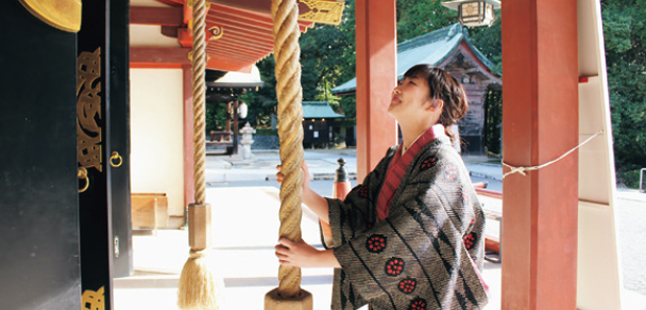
pixel 624 33
pixel 489 42
pixel 418 17
pixel 262 102
pixel 327 60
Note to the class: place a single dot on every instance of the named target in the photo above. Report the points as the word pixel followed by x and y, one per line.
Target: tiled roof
pixel 431 48
pixel 319 109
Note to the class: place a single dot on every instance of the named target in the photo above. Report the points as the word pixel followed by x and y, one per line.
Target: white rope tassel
pixel 522 170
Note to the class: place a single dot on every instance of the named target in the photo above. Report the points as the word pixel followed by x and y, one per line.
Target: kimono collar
pixel 430 134
pixel 398 166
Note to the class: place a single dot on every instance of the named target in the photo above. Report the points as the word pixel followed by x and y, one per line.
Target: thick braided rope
pixel 290 113
pixel 199 97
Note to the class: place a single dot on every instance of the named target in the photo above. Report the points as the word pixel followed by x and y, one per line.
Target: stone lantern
pixel 246 141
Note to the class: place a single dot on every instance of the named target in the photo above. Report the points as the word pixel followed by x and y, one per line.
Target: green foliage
pixel 266 132
pixel 624 32
pixel 629 178
pixel 493 117
pixel 262 102
pixel 488 40
pixel 215 116
pixel 328 56
pixel 327 60
pixel 418 17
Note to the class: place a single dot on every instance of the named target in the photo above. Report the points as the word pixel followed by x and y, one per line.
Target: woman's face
pixel 408 98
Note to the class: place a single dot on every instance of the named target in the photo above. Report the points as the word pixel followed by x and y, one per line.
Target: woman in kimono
pixel 411 236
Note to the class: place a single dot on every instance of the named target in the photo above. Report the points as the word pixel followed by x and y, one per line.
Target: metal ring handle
pixel 115 155
pixel 82 174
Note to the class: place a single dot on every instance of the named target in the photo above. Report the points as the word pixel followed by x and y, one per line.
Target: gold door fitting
pixel 116 156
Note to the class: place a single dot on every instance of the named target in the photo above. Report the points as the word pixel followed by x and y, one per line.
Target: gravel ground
pixel 632 238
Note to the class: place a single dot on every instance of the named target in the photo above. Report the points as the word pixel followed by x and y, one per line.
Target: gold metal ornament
pixel 81 174
pixel 88 110
pixel 323 11
pixel 216 32
pixel 116 156
pixel 95 300
pixel 60 14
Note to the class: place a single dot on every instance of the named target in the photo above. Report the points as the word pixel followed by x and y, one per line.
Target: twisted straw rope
pixel 290 113
pixel 199 95
pixel 522 169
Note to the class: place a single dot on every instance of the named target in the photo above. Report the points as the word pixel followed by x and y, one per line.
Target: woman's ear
pixel 436 105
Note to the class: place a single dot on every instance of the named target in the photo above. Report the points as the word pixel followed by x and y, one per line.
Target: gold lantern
pixel 474 13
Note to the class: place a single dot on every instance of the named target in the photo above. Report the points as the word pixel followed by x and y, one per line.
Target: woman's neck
pixel 410 133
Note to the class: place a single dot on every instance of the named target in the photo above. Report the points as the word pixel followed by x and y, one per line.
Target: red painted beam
pixel 249 36
pixel 172 2
pixel 236 51
pixel 492 243
pixel 262 6
pixel 246 25
pixel 250 5
pixel 376 78
pixel 240 42
pixel 489 193
pixel 232 55
pixel 236 32
pixel 241 45
pixel 540 117
pixel 219 9
pixel 171 16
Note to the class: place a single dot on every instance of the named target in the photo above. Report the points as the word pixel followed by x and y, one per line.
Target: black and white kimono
pixel 426 253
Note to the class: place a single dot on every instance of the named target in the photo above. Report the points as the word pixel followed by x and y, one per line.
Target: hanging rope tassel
pixel 198 287
pixel 287 52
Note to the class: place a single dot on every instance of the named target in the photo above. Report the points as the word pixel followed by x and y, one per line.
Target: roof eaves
pixel 431 37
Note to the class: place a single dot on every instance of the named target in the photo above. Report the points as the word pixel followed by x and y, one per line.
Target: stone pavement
pixel 245 224
pixel 321 162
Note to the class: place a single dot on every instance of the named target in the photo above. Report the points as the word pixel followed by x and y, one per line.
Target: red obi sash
pixel 398 166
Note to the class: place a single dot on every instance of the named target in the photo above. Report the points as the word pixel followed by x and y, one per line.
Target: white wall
pixel 157 158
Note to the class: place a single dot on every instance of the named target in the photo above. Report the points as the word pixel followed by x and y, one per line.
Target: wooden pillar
pixel 189 186
pixel 235 127
pixel 376 77
pixel 119 139
pixel 540 117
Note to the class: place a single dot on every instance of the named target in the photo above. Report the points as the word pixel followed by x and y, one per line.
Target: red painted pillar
pixel 540 123
pixel 189 186
pixel 376 77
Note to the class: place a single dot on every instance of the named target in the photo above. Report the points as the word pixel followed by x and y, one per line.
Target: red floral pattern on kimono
pixel 398 166
pixel 415 257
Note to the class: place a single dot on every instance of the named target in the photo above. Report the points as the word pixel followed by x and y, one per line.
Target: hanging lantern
pixel 474 13
pixel 242 110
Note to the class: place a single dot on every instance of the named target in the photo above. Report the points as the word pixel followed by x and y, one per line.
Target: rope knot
pixel 513 170
pixel 195 254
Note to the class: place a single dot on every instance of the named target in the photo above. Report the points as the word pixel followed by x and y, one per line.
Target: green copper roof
pixel 319 109
pixel 431 48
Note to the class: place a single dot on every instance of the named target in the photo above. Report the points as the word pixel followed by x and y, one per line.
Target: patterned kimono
pixel 426 253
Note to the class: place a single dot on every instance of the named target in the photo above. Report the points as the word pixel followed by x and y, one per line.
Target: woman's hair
pixel 443 86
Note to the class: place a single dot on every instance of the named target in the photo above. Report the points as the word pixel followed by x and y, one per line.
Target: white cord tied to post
pixel 522 169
